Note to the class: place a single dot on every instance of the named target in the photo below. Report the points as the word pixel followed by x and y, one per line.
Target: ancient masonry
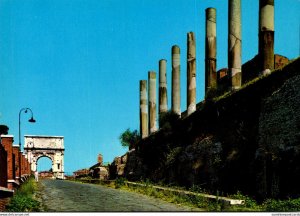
pixel 231 78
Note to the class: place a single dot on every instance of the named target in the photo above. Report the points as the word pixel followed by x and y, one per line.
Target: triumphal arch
pixel 36 147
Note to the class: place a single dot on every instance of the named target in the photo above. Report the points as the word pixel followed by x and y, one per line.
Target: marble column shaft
pixel 191 73
pixel 143 109
pixel 162 94
pixel 234 44
pixel 176 80
pixel 152 101
pixel 210 50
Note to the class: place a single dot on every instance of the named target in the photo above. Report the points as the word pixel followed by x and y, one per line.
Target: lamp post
pixel 31 120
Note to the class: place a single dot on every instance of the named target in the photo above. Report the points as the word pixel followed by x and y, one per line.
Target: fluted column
pixel 176 80
pixel 143 109
pixel 234 44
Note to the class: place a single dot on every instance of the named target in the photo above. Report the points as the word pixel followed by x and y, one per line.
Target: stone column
pixel 234 44
pixel 266 36
pixel 143 109
pixel 210 51
pixel 152 101
pixel 176 80
pixel 163 97
pixel 191 73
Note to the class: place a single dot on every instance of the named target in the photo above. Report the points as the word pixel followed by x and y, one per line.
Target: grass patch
pixel 23 200
pixel 202 203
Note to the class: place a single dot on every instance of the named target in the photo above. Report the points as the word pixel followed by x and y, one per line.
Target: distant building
pixel 81 173
pixel 46 174
pixel 99 170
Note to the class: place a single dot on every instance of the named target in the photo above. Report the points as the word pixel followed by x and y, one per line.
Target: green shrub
pixel 249 202
pixel 20 203
pixel 120 182
pixel 22 200
pixel 282 205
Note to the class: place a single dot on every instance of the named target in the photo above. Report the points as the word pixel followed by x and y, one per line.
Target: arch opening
pixel 44 166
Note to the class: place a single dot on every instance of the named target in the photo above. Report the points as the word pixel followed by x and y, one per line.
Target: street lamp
pixel 31 120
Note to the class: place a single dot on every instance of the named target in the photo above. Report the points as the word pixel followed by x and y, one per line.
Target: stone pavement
pixel 67 196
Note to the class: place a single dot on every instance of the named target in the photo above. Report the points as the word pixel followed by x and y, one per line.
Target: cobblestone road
pixel 66 196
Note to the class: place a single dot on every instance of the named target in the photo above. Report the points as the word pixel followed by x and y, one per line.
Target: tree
pixel 129 138
pixel 3 130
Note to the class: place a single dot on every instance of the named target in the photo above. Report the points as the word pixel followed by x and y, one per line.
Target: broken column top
pixel 175 49
pixel 211 13
pixel 266 2
pixel 152 74
pixel 266 15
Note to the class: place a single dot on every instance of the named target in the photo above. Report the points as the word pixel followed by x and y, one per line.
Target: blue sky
pixel 77 63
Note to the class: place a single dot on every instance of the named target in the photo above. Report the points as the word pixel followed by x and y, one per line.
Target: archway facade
pixel 52 147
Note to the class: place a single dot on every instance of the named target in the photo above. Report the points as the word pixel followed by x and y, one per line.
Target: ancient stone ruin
pixel 237 141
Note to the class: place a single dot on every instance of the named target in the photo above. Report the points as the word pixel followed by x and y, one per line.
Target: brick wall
pixel 22 164
pixel 17 164
pixel 7 141
pixel 3 167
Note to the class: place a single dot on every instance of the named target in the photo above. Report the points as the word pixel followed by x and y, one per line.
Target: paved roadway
pixel 67 196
